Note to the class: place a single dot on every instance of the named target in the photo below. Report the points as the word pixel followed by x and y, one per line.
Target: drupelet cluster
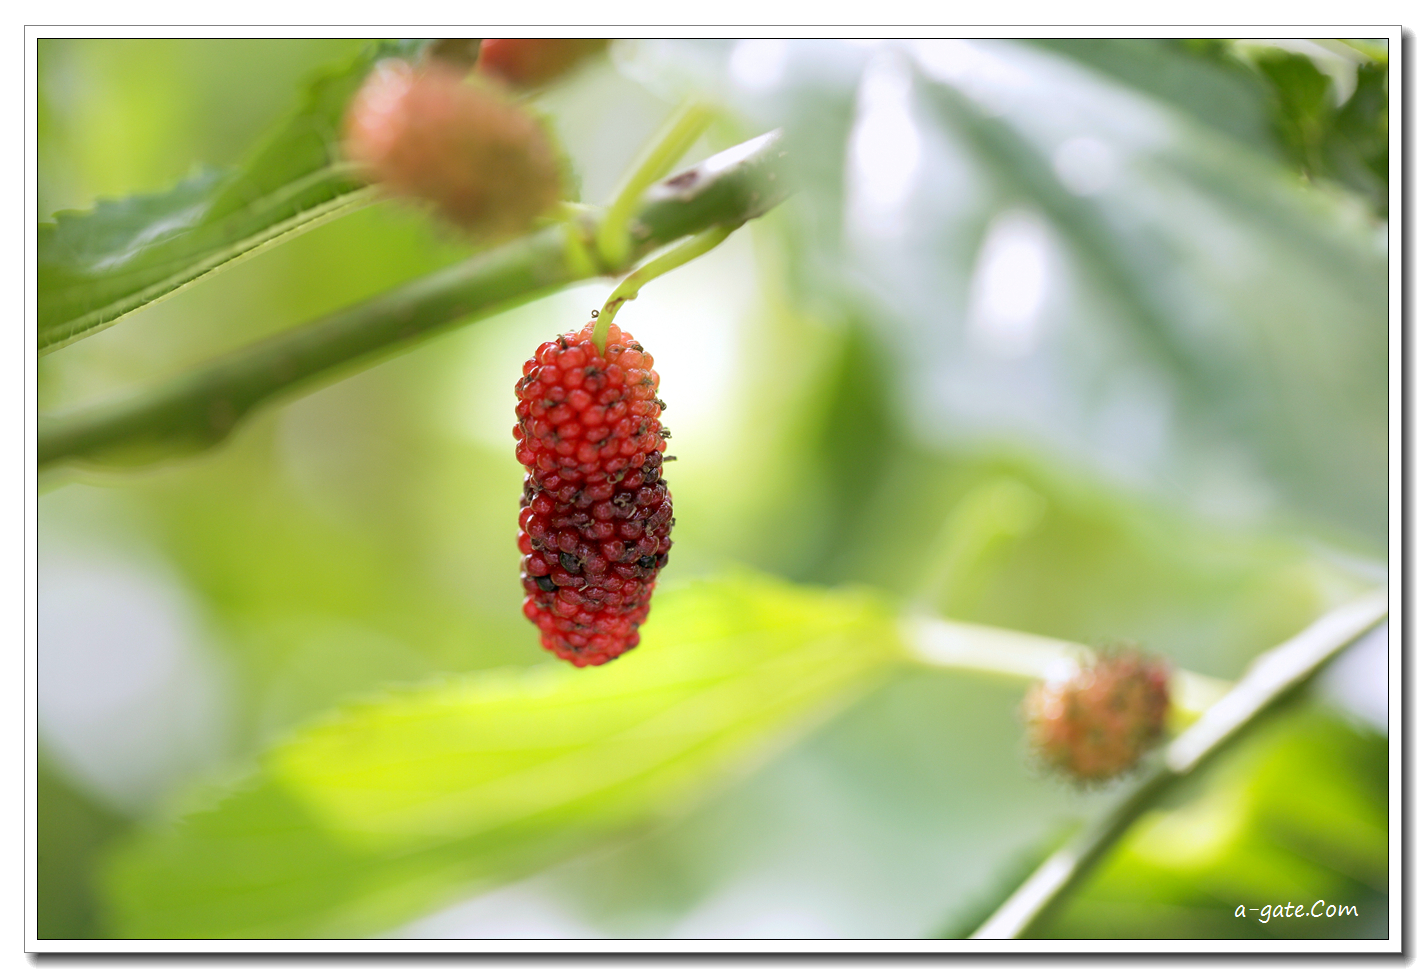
pixel 434 133
pixel 1099 722
pixel 596 514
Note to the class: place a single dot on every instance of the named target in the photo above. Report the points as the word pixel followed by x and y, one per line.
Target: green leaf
pixel 380 812
pixel 1357 150
pixel 1304 96
pixel 1347 143
pixel 71 829
pixel 1182 314
pixel 97 267
pixel 1197 78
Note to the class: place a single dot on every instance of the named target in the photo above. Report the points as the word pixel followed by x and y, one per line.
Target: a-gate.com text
pixel 1320 908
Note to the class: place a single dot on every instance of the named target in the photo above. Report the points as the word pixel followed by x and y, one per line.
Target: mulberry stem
pixel 628 289
pixel 1019 655
pixel 675 138
pixel 200 407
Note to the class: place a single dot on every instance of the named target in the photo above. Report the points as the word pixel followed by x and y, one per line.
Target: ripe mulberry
pixel 1096 724
pixel 596 514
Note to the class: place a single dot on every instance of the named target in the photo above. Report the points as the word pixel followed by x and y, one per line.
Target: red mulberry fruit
pixel 528 62
pixel 1097 723
pixel 596 513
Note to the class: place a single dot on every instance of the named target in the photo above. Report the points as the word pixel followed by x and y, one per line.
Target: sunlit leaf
pixel 371 816
pixel 96 267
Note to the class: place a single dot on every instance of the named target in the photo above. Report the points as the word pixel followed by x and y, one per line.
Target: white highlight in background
pixel 757 64
pixel 1085 165
pixel 1356 680
pixel 885 155
pixel 1009 285
pixel 130 704
pixel 976 69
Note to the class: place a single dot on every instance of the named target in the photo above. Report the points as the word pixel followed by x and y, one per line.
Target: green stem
pixel 628 289
pixel 1018 655
pixel 1366 52
pixel 1272 677
pixel 667 147
pixel 458 52
pixel 200 407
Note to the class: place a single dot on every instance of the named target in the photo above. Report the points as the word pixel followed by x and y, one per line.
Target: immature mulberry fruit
pixel 1098 723
pixel 528 62
pixel 596 513
pixel 463 145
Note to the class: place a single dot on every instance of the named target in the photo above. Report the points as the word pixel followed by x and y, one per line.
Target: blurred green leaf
pixel 1184 316
pixel 1347 143
pixel 1357 148
pixel 900 814
pixel 394 804
pixel 94 268
pixel 1304 97
pixel 1215 90
pixel 70 830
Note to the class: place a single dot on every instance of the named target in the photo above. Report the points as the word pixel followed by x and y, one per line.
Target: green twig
pixel 1272 676
pixel 200 407
pixel 628 289
pixel 666 148
pixel 1363 50
pixel 1019 655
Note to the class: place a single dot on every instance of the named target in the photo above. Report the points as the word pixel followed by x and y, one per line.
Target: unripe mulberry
pixel 463 145
pixel 596 514
pixel 1097 723
pixel 528 62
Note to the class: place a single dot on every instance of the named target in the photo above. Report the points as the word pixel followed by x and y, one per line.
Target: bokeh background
pixel 1083 338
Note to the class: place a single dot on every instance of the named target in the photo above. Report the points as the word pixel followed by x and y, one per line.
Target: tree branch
pixel 1272 676
pixel 946 644
pixel 199 408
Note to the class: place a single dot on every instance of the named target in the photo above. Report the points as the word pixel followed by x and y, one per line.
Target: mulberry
pixel 596 514
pixel 1097 723
pixel 463 145
pixel 529 62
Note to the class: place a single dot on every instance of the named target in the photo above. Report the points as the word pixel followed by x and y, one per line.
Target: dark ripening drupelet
pixel 596 513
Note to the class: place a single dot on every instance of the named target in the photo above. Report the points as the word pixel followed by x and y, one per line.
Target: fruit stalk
pixel 962 646
pixel 677 136
pixel 628 289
